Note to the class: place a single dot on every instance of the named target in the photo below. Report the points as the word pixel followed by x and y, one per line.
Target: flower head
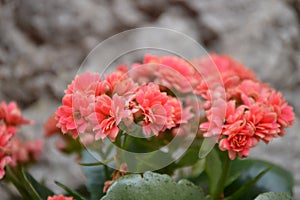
pixel 12 116
pixel 109 113
pixel 12 149
pixel 169 71
pixel 78 104
pixel 155 108
pixel 24 151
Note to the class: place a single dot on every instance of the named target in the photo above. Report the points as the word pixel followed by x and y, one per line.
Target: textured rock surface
pixel 42 44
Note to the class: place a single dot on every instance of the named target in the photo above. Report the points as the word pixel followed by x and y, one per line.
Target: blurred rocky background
pixel 42 44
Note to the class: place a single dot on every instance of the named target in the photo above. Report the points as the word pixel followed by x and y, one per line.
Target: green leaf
pixel 151 186
pixel 96 176
pixel 70 191
pixel 240 192
pixel 20 173
pixel 41 189
pixel 237 168
pixel 276 180
pixel 213 169
pixel 274 196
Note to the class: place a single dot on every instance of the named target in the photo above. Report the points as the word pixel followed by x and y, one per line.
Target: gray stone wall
pixel 42 44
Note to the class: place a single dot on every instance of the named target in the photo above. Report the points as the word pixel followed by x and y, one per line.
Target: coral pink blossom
pixel 65 117
pixel 215 116
pixel 238 142
pixel 24 151
pixel 50 127
pixel 12 116
pixel 240 110
pixel 231 72
pixel 119 83
pixel 60 197
pixel 262 122
pixel 86 83
pixel 155 109
pixel 109 113
pixel 3 162
pixel 249 92
pixel 245 126
pixel 239 136
pixel 143 73
pixel 78 104
pixel 169 71
pixel 285 114
pixel 5 158
pixel 12 149
pixel 180 115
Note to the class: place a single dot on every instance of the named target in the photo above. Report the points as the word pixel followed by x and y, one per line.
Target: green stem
pixel 107 174
pixel 218 194
pixel 104 162
pixel 124 142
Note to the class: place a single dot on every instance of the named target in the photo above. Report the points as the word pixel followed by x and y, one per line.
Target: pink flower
pixel 86 83
pixel 285 114
pixel 169 71
pixel 143 73
pixel 5 158
pixel 65 116
pixel 231 72
pixel 12 149
pixel 24 151
pixel 155 109
pixel 12 116
pixel 238 142
pixel 239 136
pixel 119 83
pixel 78 104
pixel 60 197
pixel 180 115
pixel 249 92
pixel 3 162
pixel 244 126
pixel 50 127
pixel 5 136
pixel 109 113
pixel 262 122
pixel 215 118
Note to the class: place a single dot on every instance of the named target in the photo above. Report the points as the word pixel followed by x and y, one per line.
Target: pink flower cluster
pixel 254 111
pixel 12 149
pixel 240 109
pixel 92 105
pixel 170 71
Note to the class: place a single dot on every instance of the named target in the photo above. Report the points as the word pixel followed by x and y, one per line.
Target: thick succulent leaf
pixel 276 179
pixel 274 196
pixel 240 193
pixel 151 186
pixel 96 176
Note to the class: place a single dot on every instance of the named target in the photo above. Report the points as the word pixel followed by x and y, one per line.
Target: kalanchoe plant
pixel 147 106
